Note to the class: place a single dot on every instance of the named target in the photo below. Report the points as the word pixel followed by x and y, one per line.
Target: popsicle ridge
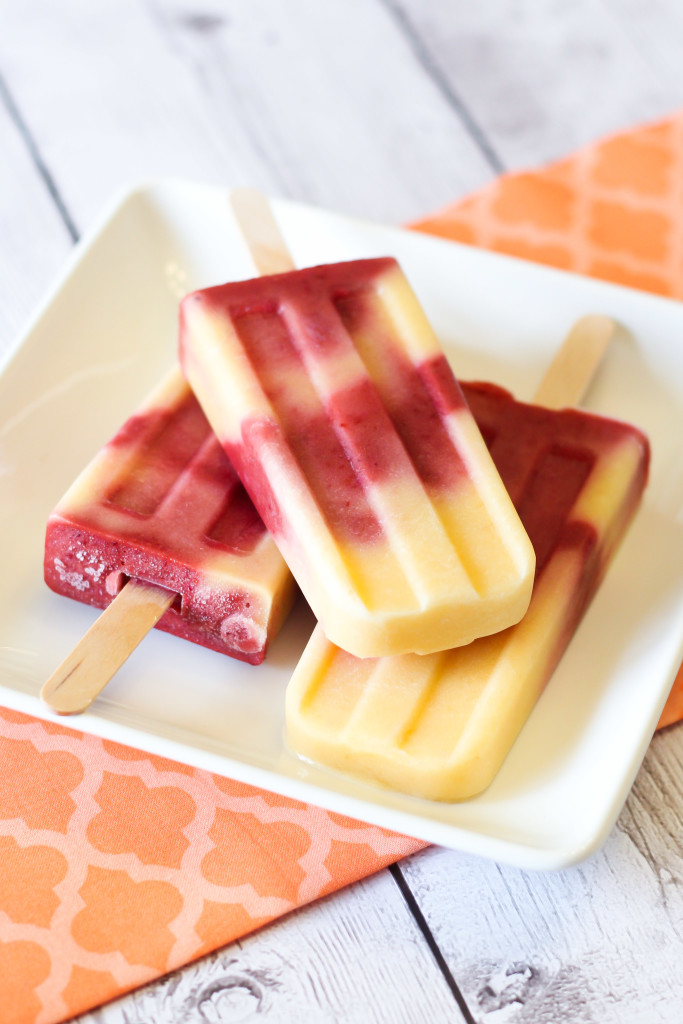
pixel 440 726
pixel 151 451
pixel 174 471
pixel 428 411
pixel 342 417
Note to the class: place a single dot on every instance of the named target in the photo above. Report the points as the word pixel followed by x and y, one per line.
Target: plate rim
pixel 517 853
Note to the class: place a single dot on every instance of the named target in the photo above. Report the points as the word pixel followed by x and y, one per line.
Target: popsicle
pixel 439 727
pixel 338 409
pixel 160 506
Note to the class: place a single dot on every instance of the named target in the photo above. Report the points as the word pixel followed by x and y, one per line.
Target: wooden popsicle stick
pixel 573 368
pixel 261 231
pixel 101 652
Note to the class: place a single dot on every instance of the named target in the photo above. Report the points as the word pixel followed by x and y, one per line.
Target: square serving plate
pixel 102 339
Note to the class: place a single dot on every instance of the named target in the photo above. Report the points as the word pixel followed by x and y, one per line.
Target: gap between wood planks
pixel 429 65
pixel 414 908
pixel 50 184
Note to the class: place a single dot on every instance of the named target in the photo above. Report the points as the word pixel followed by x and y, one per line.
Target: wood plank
pixel 598 942
pixel 356 956
pixel 655 30
pixel 541 78
pixel 335 97
pixel 106 101
pixel 291 99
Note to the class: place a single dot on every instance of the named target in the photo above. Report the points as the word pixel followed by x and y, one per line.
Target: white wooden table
pixel 386 109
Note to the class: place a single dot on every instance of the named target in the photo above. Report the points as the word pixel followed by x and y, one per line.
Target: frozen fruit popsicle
pixel 340 413
pixel 161 503
pixel 440 726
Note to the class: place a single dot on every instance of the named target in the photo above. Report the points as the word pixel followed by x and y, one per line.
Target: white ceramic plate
pixel 105 335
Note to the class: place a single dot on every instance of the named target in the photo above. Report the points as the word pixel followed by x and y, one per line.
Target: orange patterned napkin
pixel 117 866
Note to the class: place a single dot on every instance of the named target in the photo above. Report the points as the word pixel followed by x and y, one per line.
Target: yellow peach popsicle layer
pixel 335 404
pixel 440 726
pixel 161 503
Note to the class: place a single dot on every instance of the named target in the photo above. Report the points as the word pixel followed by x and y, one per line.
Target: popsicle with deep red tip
pixel 161 504
pixel 337 407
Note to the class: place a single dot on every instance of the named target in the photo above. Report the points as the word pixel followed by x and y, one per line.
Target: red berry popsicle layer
pixel 331 395
pixel 440 727
pixel 161 503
